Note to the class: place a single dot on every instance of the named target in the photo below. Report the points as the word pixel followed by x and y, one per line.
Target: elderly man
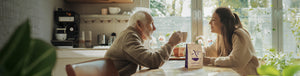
pixel 128 51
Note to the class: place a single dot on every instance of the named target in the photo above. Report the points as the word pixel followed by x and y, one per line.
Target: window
pixel 255 15
pixel 271 23
pixel 170 16
pixel 291 26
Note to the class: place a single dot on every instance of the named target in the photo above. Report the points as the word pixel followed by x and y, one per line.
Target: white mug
pixel 114 10
pixel 61 36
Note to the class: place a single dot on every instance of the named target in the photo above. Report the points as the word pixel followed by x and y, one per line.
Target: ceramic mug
pixel 184 36
pixel 114 10
pixel 61 36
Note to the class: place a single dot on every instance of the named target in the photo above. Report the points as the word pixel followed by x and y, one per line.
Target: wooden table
pixel 176 68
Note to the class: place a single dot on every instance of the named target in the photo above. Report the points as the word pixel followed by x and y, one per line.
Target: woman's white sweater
pixel 242 57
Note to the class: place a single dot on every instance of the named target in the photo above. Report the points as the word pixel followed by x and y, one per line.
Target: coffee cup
pixel 114 10
pixel 61 36
pixel 184 36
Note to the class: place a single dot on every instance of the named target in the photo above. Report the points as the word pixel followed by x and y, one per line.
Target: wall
pixel 95 8
pixel 40 13
pixel 101 26
pixel 97 27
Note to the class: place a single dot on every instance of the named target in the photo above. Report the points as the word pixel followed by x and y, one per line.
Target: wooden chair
pixel 96 67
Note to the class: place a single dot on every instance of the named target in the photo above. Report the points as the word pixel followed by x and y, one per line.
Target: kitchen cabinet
pixel 100 1
pixel 71 56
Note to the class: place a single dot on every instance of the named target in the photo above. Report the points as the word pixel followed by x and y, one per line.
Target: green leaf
pixel 273 50
pixel 168 34
pixel 273 29
pixel 267 70
pixel 41 60
pixel 291 70
pixel 298 34
pixel 293 11
pixel 250 9
pixel 11 55
pixel 296 62
pixel 24 56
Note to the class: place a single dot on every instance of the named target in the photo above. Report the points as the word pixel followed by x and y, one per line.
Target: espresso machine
pixel 66 28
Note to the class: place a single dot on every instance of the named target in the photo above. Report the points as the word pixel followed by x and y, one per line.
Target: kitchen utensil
pixel 61 36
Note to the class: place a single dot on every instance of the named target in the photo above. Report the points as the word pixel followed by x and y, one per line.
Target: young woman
pixel 233 47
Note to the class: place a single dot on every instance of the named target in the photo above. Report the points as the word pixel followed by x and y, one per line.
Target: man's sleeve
pixel 137 53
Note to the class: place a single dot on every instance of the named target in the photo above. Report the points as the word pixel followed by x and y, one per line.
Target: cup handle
pixel 119 9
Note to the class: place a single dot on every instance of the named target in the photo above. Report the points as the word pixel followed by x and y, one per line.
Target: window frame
pixel 277 21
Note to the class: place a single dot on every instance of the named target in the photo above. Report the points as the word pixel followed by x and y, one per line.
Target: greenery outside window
pixel 272 24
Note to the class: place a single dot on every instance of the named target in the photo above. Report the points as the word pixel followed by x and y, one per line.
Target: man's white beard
pixel 150 43
pixel 148 35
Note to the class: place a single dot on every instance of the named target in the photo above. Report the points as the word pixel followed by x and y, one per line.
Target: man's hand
pixel 175 38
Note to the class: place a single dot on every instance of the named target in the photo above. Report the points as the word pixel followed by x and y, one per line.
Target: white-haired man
pixel 128 51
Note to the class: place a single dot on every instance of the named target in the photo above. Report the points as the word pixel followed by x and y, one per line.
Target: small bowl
pixel 61 37
pixel 114 10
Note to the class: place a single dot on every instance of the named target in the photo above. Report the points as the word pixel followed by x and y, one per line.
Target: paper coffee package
pixel 194 56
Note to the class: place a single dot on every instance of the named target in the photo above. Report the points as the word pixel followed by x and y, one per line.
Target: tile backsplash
pixel 100 24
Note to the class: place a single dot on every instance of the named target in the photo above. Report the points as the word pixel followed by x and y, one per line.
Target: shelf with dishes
pixel 91 19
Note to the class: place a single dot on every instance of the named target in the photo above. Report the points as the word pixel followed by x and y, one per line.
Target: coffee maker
pixel 66 28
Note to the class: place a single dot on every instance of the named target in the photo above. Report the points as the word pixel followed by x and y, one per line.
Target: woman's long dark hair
pixel 230 21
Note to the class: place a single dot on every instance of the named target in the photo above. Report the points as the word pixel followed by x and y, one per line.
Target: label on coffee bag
pixel 194 56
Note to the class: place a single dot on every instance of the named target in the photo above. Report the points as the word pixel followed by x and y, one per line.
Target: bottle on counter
pixel 99 39
pixel 88 41
pixel 82 40
pixel 112 38
pixel 102 40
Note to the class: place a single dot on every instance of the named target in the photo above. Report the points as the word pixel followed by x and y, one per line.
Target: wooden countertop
pixel 177 58
pixel 176 68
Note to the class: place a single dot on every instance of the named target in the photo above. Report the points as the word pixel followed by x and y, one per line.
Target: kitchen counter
pixel 69 55
pixel 96 52
pixel 71 48
pixel 82 53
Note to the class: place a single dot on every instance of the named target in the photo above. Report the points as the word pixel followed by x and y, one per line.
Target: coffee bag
pixel 194 56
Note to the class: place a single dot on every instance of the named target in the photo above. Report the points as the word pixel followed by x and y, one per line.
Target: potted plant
pixel 26 56
pixel 179 50
pixel 278 63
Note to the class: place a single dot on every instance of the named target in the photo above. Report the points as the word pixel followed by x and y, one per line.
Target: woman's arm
pixel 211 51
pixel 241 53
